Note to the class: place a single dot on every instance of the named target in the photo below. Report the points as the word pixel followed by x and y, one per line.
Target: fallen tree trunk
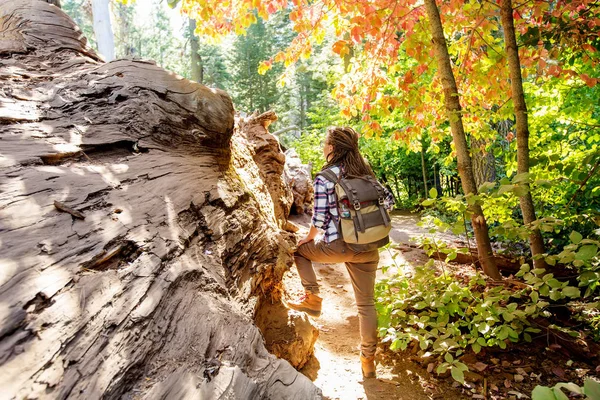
pixel 504 263
pixel 146 278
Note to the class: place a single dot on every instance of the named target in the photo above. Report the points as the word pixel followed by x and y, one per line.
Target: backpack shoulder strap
pixel 329 175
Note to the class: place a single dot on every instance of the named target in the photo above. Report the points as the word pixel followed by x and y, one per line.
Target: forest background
pixel 497 138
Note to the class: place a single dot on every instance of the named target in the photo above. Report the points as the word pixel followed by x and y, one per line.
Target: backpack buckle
pixel 381 201
pixel 356 205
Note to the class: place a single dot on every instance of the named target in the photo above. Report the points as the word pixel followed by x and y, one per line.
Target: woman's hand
pixel 304 240
pixel 310 236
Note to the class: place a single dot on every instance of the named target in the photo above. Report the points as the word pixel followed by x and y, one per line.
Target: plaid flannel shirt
pixel 325 213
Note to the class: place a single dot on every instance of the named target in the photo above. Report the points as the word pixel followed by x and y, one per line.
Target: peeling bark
pixel 153 294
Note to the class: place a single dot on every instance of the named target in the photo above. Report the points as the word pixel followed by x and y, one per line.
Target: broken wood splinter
pixel 62 207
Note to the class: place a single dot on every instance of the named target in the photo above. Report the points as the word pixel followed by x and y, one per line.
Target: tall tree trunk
pixel 437 182
pixel 484 163
pixel 397 194
pixel 103 29
pixel 424 169
pixel 302 105
pixel 197 67
pixel 453 109
pixel 536 241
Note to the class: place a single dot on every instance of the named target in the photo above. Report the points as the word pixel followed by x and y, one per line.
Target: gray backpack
pixel 364 222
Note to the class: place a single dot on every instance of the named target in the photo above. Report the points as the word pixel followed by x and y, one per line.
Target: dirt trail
pixel 336 366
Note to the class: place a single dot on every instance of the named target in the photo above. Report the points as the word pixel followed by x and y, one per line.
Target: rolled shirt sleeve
pixel 321 213
pixel 325 214
pixel 389 201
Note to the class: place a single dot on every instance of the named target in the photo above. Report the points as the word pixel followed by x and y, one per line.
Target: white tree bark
pixel 103 29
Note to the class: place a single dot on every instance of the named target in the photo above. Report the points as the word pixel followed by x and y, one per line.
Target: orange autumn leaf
pixel 341 47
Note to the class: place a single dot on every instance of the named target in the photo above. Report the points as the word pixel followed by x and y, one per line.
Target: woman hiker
pixel 343 158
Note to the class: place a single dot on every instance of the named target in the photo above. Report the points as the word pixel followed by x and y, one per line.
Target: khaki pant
pixel 362 267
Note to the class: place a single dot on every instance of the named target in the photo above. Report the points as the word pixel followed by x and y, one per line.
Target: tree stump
pixel 136 236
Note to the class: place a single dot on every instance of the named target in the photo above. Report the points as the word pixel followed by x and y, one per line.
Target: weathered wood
pixel 266 153
pixel 181 242
pixel 298 177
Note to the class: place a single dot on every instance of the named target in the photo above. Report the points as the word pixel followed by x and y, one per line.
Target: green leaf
pixel 555 295
pixel 508 316
pixel 559 394
pixel 486 187
pixel 433 193
pixel 476 347
pixel 472 199
pixel 525 268
pixel 442 368
pixel 534 296
pixel 533 330
pixel 572 387
pixel 543 183
pixel 420 305
pixel 588 277
pixel 427 202
pixel 591 389
pixel 554 283
pixel 503 334
pixel 458 375
pixel 521 178
pixel 542 393
pixel 448 357
pixel 575 237
pixel 521 190
pixel 571 291
pixel 505 188
pixel 586 252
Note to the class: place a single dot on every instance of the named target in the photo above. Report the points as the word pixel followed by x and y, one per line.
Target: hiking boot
pixel 309 303
pixel 368 366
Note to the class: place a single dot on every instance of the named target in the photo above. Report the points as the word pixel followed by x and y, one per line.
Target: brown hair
pixel 345 152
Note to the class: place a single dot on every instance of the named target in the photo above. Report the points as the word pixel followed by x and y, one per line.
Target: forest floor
pixel 335 367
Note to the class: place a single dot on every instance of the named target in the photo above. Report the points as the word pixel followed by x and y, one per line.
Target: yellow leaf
pixel 319 36
pixel 306 53
pixel 264 67
pixel 205 14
